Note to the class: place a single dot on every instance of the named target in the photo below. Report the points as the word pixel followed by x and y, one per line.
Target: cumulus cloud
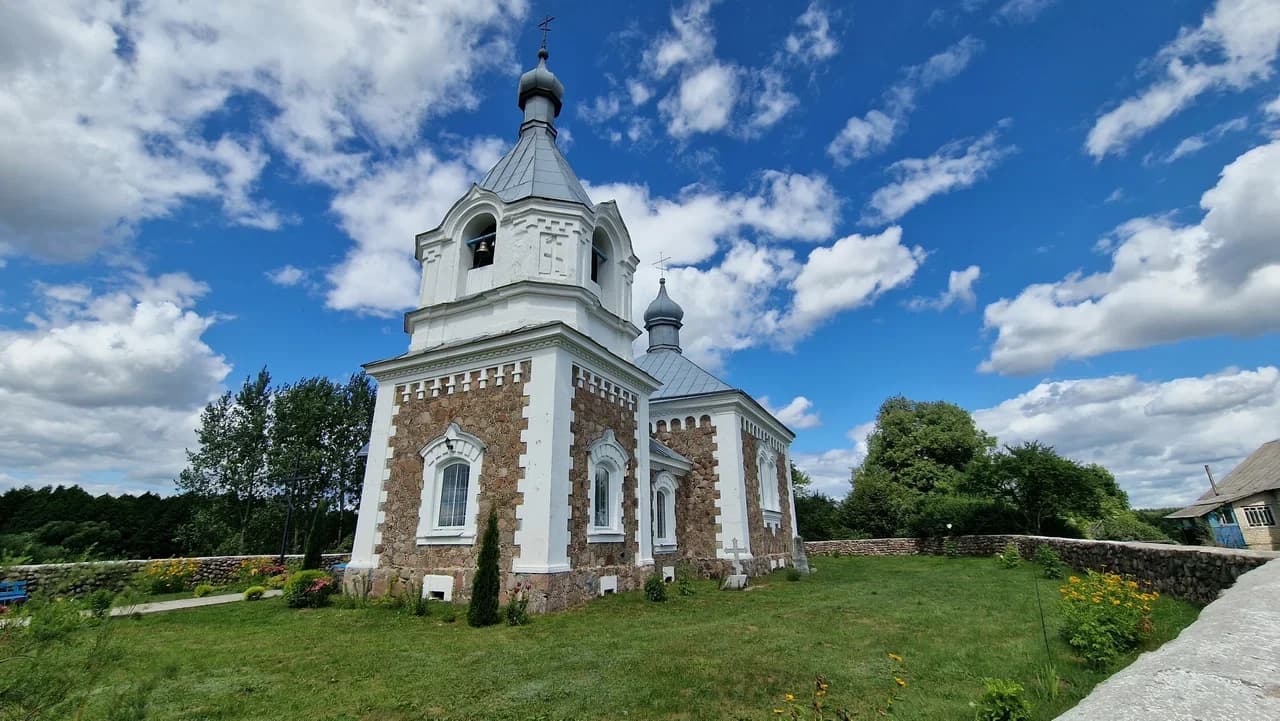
pixel 873 132
pixel 959 292
pixel 108 103
pixel 1195 143
pixel 287 276
pixel 1155 436
pixel 704 101
pixel 1023 11
pixel 1233 48
pixel 107 384
pixel 1167 282
pixel 850 273
pixel 956 165
pixel 796 414
pixel 811 40
pixel 832 470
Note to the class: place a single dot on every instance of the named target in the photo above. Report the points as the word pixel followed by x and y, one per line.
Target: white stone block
pixel 608 585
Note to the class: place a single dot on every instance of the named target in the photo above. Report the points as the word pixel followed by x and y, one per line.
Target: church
pixel 521 393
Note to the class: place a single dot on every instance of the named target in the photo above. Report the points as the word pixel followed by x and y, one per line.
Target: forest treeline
pixel 264 453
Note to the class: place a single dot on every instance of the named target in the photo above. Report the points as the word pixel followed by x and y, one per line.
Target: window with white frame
pixel 767 473
pixel 607 464
pixel 664 513
pixel 450 499
pixel 1259 515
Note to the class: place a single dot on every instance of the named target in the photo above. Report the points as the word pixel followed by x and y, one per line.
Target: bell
pixel 484 248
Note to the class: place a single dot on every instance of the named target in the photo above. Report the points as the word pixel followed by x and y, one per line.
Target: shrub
pixel 685 573
pixel 448 613
pixel 256 571
pixel 1002 701
pixel 654 588
pixel 1009 557
pixel 253 593
pixel 793 574
pixel 1049 561
pixel 517 609
pixel 483 610
pixel 203 590
pixel 309 589
pixel 168 576
pixel 100 602
pixel 416 599
pixel 1105 615
pixel 950 549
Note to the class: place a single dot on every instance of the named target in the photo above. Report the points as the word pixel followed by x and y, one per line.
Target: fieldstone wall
pixel 492 412
pixel 1194 573
pixel 81 578
pixel 697 497
pixel 767 544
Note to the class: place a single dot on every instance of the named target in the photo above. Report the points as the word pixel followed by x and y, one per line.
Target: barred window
pixel 602 519
pixel 453 495
pixel 1259 516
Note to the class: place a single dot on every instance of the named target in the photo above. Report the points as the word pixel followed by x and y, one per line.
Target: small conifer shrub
pixel 1009 557
pixel 654 588
pixel 484 607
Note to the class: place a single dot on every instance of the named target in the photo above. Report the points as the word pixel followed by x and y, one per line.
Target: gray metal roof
pixel 658 448
pixel 535 168
pixel 1255 474
pixel 679 375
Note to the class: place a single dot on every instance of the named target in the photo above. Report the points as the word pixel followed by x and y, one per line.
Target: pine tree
pixel 483 610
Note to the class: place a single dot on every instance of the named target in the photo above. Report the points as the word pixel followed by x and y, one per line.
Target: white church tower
pixel 517 395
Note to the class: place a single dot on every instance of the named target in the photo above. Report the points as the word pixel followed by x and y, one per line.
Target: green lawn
pixel 715 655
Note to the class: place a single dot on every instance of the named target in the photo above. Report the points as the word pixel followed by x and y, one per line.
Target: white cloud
pixel 811 41
pixel 874 131
pixel 955 166
pixel 106 103
pixel 959 292
pixel 1242 38
pixel 691 40
pixel 1116 196
pixel 1200 141
pixel 107 383
pixel 1166 282
pixel 832 470
pixel 603 108
pixel 852 272
pixel 1023 11
pixel 1273 108
pixel 771 102
pixel 287 276
pixel 703 102
pixel 1154 436
pixel 795 414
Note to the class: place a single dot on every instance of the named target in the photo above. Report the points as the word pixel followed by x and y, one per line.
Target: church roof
pixel 660 449
pixel 679 375
pixel 535 168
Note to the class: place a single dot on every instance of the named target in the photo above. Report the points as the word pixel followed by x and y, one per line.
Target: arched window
pixel 481 239
pixel 599 256
pixel 770 498
pixel 664 513
pixel 450 499
pixel 606 467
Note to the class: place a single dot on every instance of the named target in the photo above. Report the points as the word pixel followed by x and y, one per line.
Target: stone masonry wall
pixel 697 496
pixel 1194 573
pixel 767 544
pixel 81 578
pixel 595 410
pixel 493 413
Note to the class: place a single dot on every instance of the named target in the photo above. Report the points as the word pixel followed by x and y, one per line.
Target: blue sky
pixel 1062 216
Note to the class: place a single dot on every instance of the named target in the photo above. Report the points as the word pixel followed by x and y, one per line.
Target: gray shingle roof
pixel 535 168
pixel 657 448
pixel 679 375
pixel 1255 474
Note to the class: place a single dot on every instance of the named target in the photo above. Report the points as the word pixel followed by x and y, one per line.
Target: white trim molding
pixel 664 483
pixel 767 476
pixel 453 446
pixel 606 455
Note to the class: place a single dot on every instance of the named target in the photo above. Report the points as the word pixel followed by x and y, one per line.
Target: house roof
pixel 535 168
pixel 680 376
pixel 1255 474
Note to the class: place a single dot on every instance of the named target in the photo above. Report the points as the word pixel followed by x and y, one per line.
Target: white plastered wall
pixel 375 475
pixel 731 484
pixel 543 532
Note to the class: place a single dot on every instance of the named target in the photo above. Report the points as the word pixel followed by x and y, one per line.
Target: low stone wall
pixel 80 578
pixel 1194 573
pixel 1226 665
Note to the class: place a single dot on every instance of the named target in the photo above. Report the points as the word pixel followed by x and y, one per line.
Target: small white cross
pixel 735 549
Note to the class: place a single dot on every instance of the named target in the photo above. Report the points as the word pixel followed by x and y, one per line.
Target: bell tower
pixel 527 245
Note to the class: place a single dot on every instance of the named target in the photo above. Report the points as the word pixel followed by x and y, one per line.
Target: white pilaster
pixel 731 483
pixel 375 473
pixel 543 535
pixel 644 513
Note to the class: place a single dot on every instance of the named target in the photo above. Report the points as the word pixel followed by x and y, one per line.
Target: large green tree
pixel 1043 486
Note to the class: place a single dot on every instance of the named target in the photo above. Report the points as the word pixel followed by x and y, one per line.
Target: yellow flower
pixel 791 697
pixel 895 657
pixel 1114 602
pixel 822 692
pixel 779 711
pixel 900 682
pixel 1073 579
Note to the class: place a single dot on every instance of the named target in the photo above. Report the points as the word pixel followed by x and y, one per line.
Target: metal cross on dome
pixel 545 27
pixel 662 265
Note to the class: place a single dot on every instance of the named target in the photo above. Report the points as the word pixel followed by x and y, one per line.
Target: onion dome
pixel 542 82
pixel 663 319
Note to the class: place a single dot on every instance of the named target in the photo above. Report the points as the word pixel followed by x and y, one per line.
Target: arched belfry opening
pixel 480 236
pixel 600 248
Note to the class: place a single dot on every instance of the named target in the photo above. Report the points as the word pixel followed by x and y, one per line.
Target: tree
pixel 818 517
pixel 483 610
pixel 800 481
pixel 879 506
pixel 925 446
pixel 1042 485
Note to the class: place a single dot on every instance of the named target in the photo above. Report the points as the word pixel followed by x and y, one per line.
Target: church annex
pixel 520 393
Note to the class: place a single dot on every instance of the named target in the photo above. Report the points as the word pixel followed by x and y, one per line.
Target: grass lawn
pixel 715 655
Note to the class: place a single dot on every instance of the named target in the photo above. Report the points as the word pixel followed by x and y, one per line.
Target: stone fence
pixel 79 578
pixel 1194 573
